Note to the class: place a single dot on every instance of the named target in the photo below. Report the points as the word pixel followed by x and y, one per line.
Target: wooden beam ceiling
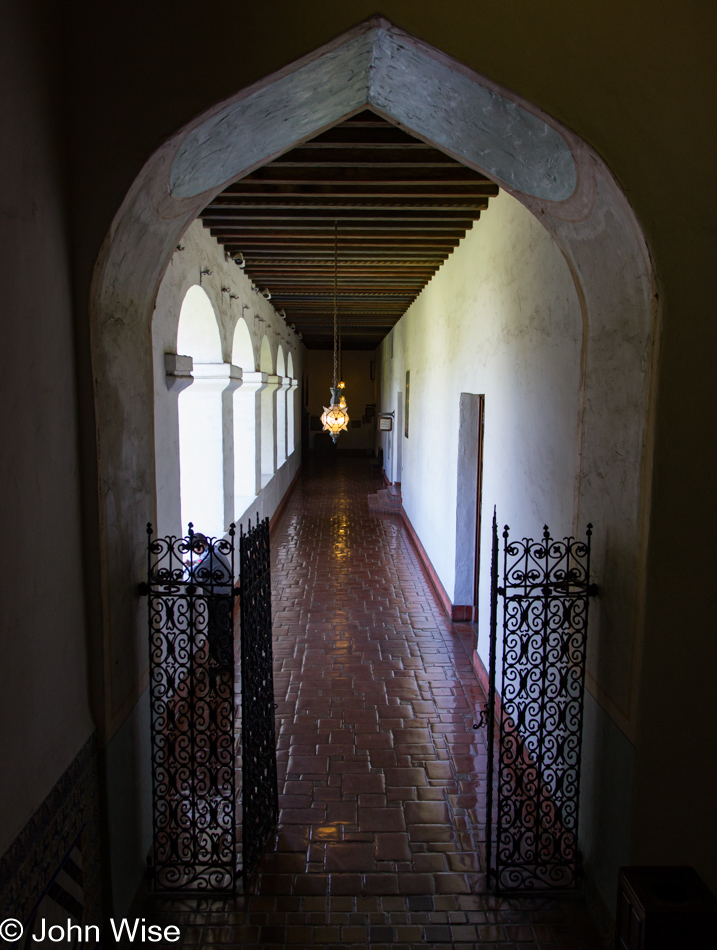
pixel 401 207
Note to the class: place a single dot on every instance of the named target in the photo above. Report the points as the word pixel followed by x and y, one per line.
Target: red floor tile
pixel 379 836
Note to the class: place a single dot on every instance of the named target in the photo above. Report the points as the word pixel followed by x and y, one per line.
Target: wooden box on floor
pixel 664 907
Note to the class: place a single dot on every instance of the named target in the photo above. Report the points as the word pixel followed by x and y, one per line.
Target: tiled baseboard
pixel 61 840
pixel 456 612
pixel 281 507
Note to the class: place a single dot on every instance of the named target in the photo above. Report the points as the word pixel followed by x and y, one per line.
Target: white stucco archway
pixel 281 396
pixel 544 165
pixel 268 415
pixel 201 454
pixel 197 330
pixel 242 347
pixel 290 407
pixel 245 414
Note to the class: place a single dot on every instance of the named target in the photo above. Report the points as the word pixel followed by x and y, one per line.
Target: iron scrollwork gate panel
pixel 260 799
pixel 190 588
pixel 546 586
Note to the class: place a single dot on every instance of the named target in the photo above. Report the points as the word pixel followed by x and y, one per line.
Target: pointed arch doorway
pixel 544 165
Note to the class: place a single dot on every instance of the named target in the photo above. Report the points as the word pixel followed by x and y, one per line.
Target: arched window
pixel 290 407
pixel 201 461
pixel 280 409
pixel 246 483
pixel 268 440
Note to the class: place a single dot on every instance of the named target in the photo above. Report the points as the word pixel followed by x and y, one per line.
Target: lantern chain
pixel 336 291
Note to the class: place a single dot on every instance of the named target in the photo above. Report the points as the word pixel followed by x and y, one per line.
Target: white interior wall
pixel 500 318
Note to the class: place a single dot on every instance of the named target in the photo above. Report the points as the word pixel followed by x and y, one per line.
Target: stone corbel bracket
pixel 178 371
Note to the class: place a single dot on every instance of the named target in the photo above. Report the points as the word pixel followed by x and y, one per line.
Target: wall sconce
pixel 237 257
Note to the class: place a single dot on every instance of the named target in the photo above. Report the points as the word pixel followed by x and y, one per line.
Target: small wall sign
pixel 385 423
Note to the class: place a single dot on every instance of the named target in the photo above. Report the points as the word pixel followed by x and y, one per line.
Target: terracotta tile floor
pixel 381 774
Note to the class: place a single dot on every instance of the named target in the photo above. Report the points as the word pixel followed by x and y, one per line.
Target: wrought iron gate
pixel 190 587
pixel 539 714
pixel 260 799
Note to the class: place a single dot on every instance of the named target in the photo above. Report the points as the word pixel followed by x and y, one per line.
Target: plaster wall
pixel 606 793
pixel 503 318
pixel 127 766
pixel 44 708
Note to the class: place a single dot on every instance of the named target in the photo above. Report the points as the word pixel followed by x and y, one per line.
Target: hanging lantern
pixel 335 417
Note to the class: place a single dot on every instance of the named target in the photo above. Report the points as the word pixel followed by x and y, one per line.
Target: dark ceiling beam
pixel 344 205
pixel 438 250
pixel 341 175
pixel 361 243
pixel 299 253
pixel 263 190
pixel 444 237
pixel 290 277
pixel 355 297
pixel 417 154
pixel 388 319
pixel 310 228
pixel 389 309
pixel 307 258
pixel 346 283
pixel 278 217
pixel 293 269
pixel 363 134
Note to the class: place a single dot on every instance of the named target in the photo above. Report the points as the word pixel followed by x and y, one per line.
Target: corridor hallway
pixel 381 775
